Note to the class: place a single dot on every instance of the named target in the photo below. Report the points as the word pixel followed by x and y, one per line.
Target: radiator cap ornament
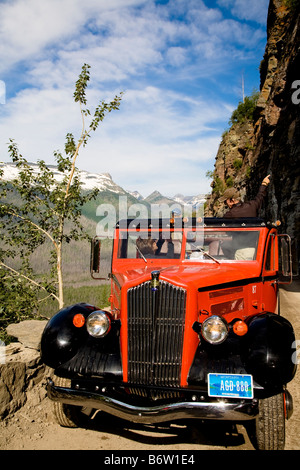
pixel 155 280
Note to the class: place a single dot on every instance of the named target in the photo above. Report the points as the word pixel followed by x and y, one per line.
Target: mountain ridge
pixel 104 182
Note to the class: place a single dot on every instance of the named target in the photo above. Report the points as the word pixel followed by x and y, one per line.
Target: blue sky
pixel 179 63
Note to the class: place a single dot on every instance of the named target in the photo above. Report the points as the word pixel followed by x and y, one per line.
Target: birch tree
pixel 37 206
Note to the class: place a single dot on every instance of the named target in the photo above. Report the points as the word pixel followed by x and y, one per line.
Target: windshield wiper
pixel 204 252
pixel 145 259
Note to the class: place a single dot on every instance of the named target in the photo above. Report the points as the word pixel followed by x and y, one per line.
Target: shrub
pixel 245 109
pixel 218 187
pixel 229 182
pixel 291 4
pixel 237 164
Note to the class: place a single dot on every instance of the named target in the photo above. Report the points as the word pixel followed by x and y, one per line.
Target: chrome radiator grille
pixel 155 334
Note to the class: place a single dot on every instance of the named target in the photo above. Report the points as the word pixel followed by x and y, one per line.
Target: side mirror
pixel 285 259
pixel 100 266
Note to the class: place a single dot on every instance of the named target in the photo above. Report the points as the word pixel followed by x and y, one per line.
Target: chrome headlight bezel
pixel 214 329
pixel 98 324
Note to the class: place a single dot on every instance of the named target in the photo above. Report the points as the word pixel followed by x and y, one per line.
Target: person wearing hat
pixel 237 208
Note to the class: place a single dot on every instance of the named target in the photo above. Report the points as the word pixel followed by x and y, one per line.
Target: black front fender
pixel 61 339
pixel 269 351
pixel 266 352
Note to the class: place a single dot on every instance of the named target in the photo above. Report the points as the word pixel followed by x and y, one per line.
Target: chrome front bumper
pixel 222 410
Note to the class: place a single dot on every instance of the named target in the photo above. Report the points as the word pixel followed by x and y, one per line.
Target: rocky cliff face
pixel 270 143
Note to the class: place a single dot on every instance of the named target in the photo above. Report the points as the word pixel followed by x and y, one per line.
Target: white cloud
pixel 147 137
pixel 124 40
pixel 254 10
pixel 170 59
pixel 29 26
pixel 145 166
pixel 38 121
pixel 2 92
pixel 176 56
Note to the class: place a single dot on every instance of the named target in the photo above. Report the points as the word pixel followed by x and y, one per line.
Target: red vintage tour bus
pixel 193 330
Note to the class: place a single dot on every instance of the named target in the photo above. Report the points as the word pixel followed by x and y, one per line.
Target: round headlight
pixel 98 324
pixel 214 330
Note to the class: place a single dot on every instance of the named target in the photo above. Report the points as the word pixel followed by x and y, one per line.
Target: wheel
pixel 69 416
pixel 269 425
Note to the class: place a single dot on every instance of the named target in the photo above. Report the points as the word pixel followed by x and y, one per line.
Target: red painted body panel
pixel 205 281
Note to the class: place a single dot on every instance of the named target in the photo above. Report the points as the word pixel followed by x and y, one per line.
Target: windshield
pixel 203 245
pixel 226 245
pixel 152 245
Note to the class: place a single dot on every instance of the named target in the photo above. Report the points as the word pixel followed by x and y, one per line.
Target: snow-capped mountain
pixel 193 201
pixel 137 195
pixel 104 182
pixel 101 181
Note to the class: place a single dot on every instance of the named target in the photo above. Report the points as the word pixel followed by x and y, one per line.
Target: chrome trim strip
pixel 231 411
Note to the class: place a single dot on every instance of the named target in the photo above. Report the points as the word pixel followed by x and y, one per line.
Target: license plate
pixel 230 385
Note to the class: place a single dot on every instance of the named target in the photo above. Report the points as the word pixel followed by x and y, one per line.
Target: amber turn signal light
pixel 240 328
pixel 78 320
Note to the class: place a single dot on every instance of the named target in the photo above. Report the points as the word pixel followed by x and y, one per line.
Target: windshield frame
pixel 184 240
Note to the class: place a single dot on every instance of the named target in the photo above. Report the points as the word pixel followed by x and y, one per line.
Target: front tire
pixel 68 416
pixel 269 425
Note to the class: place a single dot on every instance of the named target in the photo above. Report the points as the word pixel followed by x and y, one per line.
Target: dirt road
pixel 33 427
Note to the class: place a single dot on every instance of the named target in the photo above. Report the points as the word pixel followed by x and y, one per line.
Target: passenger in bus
pixel 147 246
